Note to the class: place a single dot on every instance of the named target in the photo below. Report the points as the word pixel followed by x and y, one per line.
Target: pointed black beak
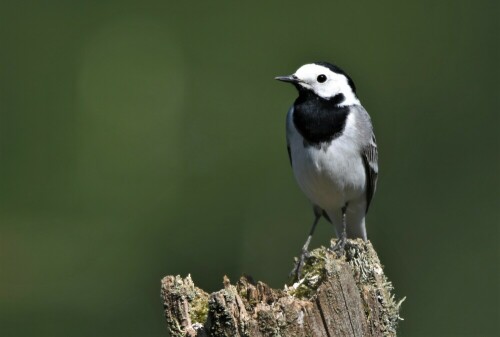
pixel 289 78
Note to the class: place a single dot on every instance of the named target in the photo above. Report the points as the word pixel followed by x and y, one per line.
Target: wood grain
pixel 338 296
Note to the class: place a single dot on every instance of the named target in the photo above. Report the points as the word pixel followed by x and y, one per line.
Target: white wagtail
pixel 332 150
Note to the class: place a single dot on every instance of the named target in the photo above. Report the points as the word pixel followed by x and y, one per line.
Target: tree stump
pixel 336 296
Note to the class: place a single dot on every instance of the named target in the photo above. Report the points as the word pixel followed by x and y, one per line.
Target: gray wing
pixel 370 161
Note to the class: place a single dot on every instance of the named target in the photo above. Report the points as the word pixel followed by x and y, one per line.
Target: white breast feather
pixel 332 174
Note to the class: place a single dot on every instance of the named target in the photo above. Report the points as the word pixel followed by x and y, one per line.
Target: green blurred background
pixel 138 141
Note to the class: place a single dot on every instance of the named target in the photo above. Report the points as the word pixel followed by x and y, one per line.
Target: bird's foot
pixel 296 273
pixel 339 246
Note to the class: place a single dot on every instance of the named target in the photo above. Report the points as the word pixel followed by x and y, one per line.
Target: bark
pixel 337 296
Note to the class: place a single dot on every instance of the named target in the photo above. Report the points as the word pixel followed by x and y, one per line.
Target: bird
pixel 332 150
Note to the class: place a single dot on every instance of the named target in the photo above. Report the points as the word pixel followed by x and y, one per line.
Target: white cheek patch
pixel 327 89
pixel 335 84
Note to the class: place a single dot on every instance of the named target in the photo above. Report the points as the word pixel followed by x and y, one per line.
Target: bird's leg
pixel 304 253
pixel 339 246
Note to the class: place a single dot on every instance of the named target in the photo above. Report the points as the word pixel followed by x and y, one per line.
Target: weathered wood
pixel 337 296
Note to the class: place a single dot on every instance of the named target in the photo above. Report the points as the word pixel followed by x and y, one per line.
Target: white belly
pixel 329 178
pixel 331 175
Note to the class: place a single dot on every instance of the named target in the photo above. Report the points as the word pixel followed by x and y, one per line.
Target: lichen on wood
pixel 337 296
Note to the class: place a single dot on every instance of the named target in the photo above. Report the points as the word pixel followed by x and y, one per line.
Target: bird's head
pixel 324 80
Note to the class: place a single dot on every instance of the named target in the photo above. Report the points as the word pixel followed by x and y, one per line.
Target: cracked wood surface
pixel 338 296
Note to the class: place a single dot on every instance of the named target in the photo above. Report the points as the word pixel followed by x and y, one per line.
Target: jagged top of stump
pixel 251 308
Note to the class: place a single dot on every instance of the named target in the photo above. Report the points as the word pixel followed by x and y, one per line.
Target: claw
pixel 304 253
pixel 339 247
pixel 299 265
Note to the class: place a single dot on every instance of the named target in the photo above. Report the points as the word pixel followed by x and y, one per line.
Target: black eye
pixel 321 78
